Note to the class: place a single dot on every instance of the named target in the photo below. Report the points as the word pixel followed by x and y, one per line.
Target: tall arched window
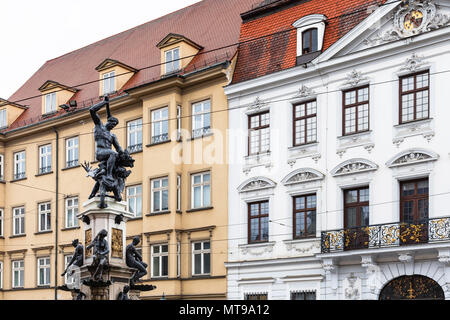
pixel 310 41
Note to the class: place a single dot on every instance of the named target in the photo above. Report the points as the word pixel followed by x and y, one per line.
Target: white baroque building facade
pixel 339 169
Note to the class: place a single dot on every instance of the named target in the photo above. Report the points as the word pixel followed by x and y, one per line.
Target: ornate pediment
pixel 302 176
pixel 353 166
pixel 412 17
pixel 354 78
pixel 414 63
pixel 412 156
pixel 258 104
pixel 304 92
pixel 257 183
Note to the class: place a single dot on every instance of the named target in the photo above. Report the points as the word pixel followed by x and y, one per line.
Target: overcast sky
pixel 33 32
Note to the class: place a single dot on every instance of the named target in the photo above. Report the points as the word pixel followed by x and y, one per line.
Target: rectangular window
pixel 134 135
pixel 201 258
pixel 256 296
pixel 178 123
pixel 160 194
pixel 109 85
pixel 18 221
pixel 258 221
pixel 310 41
pixel 67 278
pixel 356 218
pixel 2 167
pixel 356 110
pixel 414 201
pixel 1 221
pixel 415 97
pixel 201 118
pixel 44 217
pixel 71 212
pixel 160 260
pixel 134 200
pixel 259 133
pixel 18 273
pixel 201 190
pixel 160 125
pixel 178 259
pixel 44 271
pixel 305 123
pixel 172 60
pixel 303 295
pixel 50 102
pixel 72 152
pixel 3 123
pixel 1 274
pixel 178 192
pixel 45 159
pixel 19 165
pixel 304 216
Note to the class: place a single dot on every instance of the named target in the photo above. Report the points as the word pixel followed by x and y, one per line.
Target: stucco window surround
pixel 310 22
pixel 302 182
pixel 422 127
pixel 412 164
pixel 2 167
pixel 353 173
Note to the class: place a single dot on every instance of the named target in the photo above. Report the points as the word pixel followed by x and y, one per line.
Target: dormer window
pixel 50 102
pixel 3 123
pixel 310 41
pixel 310 35
pixel 109 84
pixel 172 60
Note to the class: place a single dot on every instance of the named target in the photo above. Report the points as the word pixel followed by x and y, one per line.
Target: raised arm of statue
pixel 95 108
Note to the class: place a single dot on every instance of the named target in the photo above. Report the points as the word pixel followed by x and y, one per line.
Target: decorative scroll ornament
pixel 413 63
pixel 256 184
pixel 258 104
pixel 412 157
pixel 412 18
pixel 354 166
pixel 354 78
pixel 304 92
pixel 302 175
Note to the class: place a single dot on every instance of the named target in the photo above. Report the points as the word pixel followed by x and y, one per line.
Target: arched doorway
pixel 412 287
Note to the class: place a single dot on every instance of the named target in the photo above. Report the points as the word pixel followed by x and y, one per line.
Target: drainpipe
pixel 56 210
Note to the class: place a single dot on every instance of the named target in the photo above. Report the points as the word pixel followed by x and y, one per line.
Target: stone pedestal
pixel 113 219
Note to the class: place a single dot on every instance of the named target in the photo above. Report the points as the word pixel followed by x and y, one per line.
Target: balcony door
pixel 414 211
pixel 356 218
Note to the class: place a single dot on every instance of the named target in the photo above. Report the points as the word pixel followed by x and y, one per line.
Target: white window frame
pixel 1 274
pixel 45 159
pixel 2 167
pixel 72 152
pixel 74 209
pixel 109 82
pixel 2 221
pixel 19 218
pixel 134 130
pixel 45 266
pixel 160 190
pixel 158 117
pixel 202 252
pixel 50 102
pixel 47 213
pixel 172 63
pixel 178 192
pixel 137 196
pixel 201 130
pixel 178 259
pixel 178 123
pixel 310 22
pixel 19 165
pixel 18 265
pixel 202 185
pixel 68 279
pixel 3 118
pixel 159 257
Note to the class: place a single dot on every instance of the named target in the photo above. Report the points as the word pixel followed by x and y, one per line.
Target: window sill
pixel 199 209
pixel 137 151
pixel 179 211
pixel 355 135
pixel 412 123
pixel 2 237
pixel 18 236
pixel 68 168
pixel 3 181
pixel 257 156
pixel 135 218
pixel 303 146
pixel 158 213
pixel 43 174
pixel 70 228
pixel 43 232
pixel 21 179
pixel 159 278
pixel 49 114
pixel 200 136
pixel 158 143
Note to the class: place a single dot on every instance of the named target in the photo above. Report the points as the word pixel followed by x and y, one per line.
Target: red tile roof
pixel 210 23
pixel 278 52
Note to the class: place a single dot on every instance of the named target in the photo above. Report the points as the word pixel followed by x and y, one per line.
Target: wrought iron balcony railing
pixel 197 133
pixel 44 170
pixel 386 235
pixel 18 176
pixel 160 138
pixel 73 163
pixel 135 148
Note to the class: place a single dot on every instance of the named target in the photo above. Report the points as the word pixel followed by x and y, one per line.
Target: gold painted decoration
pixel 116 243
pixel 87 241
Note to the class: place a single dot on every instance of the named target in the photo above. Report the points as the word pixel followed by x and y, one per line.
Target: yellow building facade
pixel 174 122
